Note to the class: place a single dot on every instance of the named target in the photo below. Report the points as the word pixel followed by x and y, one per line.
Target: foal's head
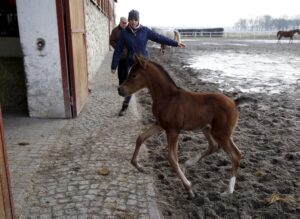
pixel 136 79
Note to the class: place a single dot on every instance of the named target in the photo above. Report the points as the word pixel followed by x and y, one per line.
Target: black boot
pixel 124 108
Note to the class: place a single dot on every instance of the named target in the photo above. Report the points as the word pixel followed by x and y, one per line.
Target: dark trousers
pixel 122 75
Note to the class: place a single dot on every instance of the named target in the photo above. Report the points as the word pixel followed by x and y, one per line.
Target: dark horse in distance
pixel 287 34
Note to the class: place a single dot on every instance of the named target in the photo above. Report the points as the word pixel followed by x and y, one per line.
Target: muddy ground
pixel 267 134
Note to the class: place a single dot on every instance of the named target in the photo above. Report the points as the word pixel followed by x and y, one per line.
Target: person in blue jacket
pixel 135 37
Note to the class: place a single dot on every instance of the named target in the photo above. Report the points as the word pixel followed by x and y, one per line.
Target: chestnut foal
pixel 176 109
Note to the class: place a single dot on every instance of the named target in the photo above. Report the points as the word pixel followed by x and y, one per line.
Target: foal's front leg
pixel 172 137
pixel 154 129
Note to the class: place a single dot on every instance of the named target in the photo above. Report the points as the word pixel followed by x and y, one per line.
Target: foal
pixel 176 109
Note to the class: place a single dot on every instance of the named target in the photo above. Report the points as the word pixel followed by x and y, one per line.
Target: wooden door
pixel 6 200
pixel 76 36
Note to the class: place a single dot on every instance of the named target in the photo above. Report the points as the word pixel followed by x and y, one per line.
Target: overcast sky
pixel 204 13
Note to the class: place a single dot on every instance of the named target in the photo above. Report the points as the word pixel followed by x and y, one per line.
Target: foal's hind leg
pixel 235 156
pixel 154 129
pixel 212 147
pixel 172 137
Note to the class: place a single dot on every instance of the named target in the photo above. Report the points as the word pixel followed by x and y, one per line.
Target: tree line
pixel 267 23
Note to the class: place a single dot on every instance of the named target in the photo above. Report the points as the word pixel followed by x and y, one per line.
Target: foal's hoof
pixel 139 167
pixel 191 195
pixel 225 194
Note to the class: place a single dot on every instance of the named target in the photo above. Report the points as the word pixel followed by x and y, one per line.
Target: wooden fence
pixel 271 35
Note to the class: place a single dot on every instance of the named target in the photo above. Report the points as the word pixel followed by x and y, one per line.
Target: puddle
pixel 268 73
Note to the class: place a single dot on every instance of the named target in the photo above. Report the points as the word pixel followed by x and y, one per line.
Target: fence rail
pixel 201 34
pixel 233 35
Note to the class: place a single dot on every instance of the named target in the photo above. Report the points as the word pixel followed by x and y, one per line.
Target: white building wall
pixel 37 19
pixel 97 35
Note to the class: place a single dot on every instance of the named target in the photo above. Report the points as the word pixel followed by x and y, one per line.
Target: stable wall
pixel 97 37
pixel 38 20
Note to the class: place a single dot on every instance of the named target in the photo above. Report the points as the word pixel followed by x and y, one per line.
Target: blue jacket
pixel 136 43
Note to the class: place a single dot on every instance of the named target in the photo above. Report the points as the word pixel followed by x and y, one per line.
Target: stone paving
pixel 80 168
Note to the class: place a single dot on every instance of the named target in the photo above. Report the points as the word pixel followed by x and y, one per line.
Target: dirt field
pixel 267 134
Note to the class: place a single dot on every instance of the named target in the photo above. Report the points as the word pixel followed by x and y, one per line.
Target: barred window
pixel 105 6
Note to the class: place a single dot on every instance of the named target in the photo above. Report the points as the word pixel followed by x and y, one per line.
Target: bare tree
pixel 267 23
pixel 296 22
pixel 241 24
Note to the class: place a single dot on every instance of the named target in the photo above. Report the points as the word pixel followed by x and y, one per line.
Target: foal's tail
pixel 244 100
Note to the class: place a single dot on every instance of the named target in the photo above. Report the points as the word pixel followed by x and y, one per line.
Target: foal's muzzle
pixel 121 92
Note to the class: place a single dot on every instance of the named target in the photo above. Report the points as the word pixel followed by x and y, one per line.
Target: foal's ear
pixel 141 61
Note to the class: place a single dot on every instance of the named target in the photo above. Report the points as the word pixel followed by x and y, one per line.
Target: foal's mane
pixel 164 71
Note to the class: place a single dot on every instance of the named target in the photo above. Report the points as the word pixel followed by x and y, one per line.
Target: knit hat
pixel 134 15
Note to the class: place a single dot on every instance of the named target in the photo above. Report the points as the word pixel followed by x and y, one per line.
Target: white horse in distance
pixel 168 32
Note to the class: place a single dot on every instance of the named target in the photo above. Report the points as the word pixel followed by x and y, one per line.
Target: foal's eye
pixel 133 76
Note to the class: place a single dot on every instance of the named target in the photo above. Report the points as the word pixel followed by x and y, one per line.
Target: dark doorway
pixel 13 92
